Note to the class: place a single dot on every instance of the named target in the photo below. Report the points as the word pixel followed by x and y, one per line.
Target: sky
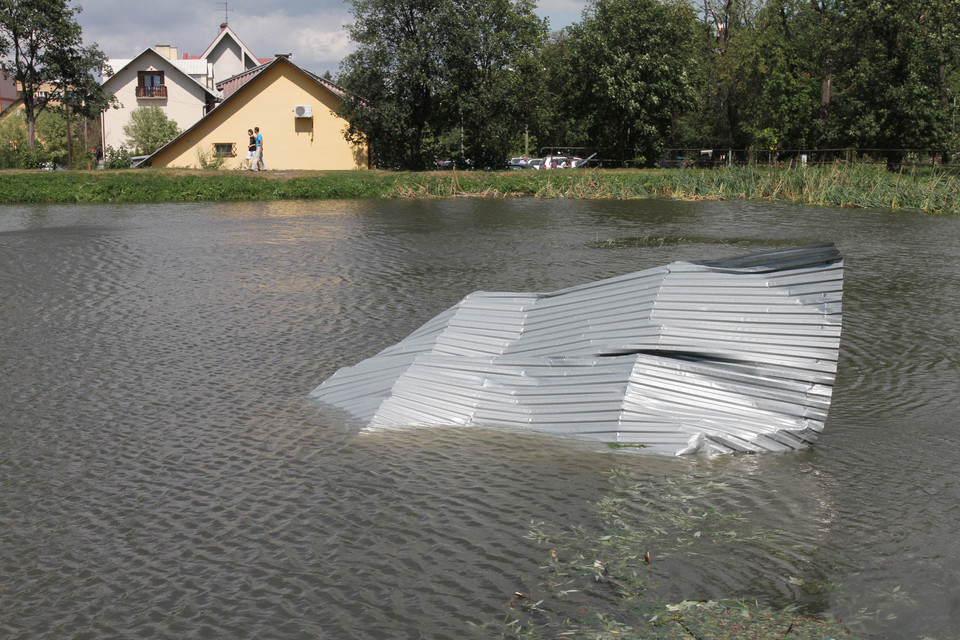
pixel 311 30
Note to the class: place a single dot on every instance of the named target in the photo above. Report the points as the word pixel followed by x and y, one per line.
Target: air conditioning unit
pixel 302 111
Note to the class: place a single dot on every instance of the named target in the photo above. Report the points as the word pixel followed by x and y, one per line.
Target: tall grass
pixel 842 184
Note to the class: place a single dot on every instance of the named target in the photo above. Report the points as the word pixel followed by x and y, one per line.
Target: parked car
pixel 548 162
pixel 561 162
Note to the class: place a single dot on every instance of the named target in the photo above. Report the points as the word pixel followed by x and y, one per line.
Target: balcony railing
pixel 152 92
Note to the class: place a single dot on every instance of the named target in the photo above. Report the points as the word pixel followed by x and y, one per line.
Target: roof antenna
pixel 226 9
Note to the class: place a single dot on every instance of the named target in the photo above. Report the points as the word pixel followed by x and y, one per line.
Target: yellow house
pixel 47 94
pixel 296 113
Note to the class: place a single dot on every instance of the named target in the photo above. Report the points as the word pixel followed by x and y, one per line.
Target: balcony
pixel 152 93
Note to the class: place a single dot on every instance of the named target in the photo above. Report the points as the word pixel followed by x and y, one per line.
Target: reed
pixel 842 184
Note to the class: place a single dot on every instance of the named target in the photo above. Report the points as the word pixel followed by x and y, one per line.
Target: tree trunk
pixel 825 92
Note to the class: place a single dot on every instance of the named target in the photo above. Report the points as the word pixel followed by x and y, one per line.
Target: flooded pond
pixel 164 475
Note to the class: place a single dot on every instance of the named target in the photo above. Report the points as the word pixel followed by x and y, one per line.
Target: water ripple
pixel 163 475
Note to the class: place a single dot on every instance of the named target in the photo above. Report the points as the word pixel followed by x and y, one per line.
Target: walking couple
pixel 255 160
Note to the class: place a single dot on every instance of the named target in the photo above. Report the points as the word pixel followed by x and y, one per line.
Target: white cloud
pixel 312 30
pixel 561 13
pixel 317 40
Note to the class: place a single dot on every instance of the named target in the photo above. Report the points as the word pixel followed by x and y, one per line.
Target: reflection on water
pixel 162 473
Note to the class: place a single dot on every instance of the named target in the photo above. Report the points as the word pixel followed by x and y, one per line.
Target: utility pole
pixel 66 114
pixel 86 144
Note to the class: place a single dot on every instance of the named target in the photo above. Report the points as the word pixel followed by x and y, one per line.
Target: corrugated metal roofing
pixel 198 67
pixel 231 84
pixel 716 356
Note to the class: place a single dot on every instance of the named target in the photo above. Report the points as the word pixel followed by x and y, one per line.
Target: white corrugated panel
pixel 719 356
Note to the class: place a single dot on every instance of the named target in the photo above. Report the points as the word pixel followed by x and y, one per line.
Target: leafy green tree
pixel 50 145
pixel 633 63
pixel 897 76
pixel 430 78
pixel 830 73
pixel 392 80
pixel 726 55
pixel 789 54
pixel 52 134
pixel 823 26
pixel 13 139
pixel 781 109
pixel 553 121
pixel 46 45
pixel 149 129
pixel 492 71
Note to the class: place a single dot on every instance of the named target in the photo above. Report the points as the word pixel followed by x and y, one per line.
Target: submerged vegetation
pixel 844 185
pixel 617 582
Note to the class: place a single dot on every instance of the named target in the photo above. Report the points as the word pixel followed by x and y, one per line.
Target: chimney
pixel 167 51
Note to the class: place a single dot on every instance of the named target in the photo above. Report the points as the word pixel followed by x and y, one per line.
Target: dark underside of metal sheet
pixel 715 356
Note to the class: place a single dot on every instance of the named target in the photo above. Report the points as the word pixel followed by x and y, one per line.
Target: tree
pixel 435 77
pixel 149 129
pixel 52 134
pixel 47 48
pixel 778 63
pixel 722 50
pixel 897 94
pixel 50 146
pixel 831 73
pixel 13 140
pixel 554 121
pixel 634 64
pixel 392 79
pixel 492 69
pixel 825 24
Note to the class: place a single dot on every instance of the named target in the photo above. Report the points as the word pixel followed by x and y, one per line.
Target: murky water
pixel 163 474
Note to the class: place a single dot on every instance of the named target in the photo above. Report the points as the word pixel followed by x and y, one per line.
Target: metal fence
pixel 896 159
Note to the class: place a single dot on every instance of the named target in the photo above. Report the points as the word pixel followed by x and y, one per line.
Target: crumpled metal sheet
pixel 715 356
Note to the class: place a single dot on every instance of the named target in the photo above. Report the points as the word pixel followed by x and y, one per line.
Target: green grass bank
pixel 845 185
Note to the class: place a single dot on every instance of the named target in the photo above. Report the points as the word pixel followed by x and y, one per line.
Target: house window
pixel 150 84
pixel 225 149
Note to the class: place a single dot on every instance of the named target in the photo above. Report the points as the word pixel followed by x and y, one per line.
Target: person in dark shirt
pixel 251 150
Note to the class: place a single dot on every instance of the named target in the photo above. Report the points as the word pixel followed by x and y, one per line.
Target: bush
pixel 210 162
pixel 33 159
pixel 149 129
pixel 116 158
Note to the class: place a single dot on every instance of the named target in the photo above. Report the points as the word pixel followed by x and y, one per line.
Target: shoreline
pixel 842 185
